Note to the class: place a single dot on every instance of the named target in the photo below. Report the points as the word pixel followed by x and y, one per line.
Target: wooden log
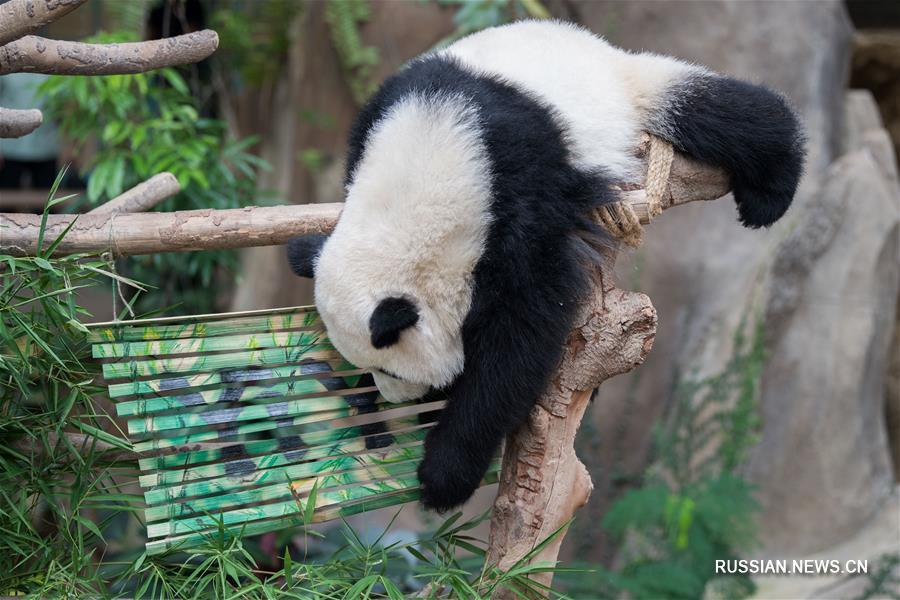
pixel 21 17
pixel 32 54
pixel 180 231
pixel 185 231
pixel 542 482
pixel 141 197
pixel 16 123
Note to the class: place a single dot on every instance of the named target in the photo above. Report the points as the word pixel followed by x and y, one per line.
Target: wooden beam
pixel 21 17
pixel 16 123
pixel 32 54
pixel 141 197
pixel 185 231
pixel 180 231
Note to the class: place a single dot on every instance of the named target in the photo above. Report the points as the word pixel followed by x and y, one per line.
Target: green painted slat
pixel 161 387
pixel 346 470
pixel 251 448
pixel 278 509
pixel 182 376
pixel 243 515
pixel 293 520
pixel 211 324
pixel 212 362
pixel 326 513
pixel 238 473
pixel 305 320
pixel 250 393
pixel 273 410
pixel 251 341
pixel 254 427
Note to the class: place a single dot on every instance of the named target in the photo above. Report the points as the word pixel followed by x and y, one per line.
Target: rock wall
pixel 823 460
pixel 824 277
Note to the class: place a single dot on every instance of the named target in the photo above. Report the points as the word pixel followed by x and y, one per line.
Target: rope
pixel 110 257
pixel 619 218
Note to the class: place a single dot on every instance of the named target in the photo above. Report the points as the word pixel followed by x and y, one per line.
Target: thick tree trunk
pixel 543 483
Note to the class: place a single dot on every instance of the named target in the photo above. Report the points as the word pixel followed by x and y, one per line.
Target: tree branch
pixel 15 123
pixel 21 17
pixel 180 231
pixel 542 482
pixel 34 54
pixel 141 197
pixel 184 231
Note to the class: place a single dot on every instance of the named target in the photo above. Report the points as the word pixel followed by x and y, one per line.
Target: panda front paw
pixel 447 475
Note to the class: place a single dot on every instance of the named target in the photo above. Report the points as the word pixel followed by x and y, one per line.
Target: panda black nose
pixel 389 319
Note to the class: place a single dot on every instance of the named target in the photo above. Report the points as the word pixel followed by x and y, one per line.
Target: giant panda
pixel 462 252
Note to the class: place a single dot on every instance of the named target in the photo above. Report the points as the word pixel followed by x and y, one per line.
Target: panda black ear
pixel 390 318
pixel 302 253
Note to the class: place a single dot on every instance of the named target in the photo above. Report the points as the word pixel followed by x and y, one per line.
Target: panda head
pixel 393 282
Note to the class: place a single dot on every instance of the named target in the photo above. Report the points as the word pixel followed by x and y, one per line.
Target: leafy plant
pixel 54 470
pixel 357 60
pixel 255 38
pixel 131 127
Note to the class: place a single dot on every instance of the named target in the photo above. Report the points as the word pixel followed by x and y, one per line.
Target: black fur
pixel 302 252
pixel 528 283
pixel 389 319
pixel 746 129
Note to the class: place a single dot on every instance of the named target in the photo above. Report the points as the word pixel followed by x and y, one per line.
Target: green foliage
pixel 357 60
pixel 883 579
pixel 51 487
pixel 254 38
pixel 140 125
pixel 693 507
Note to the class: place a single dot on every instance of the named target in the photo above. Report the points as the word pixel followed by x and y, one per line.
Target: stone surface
pixel 705 275
pixel 823 460
pixel 875 538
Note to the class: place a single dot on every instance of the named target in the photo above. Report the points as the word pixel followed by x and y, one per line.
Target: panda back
pixel 601 93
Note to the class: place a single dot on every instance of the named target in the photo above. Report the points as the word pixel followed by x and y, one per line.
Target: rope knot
pixel 619 218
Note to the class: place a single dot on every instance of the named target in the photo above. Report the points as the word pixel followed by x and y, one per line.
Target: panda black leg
pixel 746 129
pixel 512 349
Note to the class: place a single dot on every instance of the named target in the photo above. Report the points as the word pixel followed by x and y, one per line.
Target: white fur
pixel 414 224
pixel 602 93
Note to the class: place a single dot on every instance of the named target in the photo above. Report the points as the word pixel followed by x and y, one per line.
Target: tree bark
pixel 186 231
pixel 16 123
pixel 32 54
pixel 180 231
pixel 21 17
pixel 141 197
pixel 542 483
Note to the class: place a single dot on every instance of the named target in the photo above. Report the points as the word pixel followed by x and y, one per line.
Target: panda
pixel 463 250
